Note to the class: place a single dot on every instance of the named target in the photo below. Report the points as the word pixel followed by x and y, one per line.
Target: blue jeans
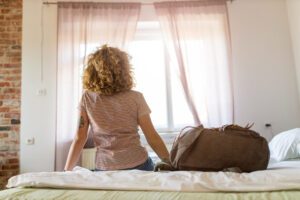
pixel 148 165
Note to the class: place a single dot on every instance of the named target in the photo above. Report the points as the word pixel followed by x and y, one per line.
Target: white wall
pixel 293 7
pixel 38 112
pixel 265 86
pixel 263 68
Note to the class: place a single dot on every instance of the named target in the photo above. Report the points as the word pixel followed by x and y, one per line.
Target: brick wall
pixel 10 87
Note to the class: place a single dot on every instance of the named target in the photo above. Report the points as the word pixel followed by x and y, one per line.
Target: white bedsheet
pixel 295 163
pixel 268 180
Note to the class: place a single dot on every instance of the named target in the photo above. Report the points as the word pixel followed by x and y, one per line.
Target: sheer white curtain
pixel 196 34
pixel 82 27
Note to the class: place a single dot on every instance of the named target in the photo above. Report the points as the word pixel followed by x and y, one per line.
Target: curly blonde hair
pixel 108 71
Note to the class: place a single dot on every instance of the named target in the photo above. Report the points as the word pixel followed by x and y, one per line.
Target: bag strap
pixel 191 127
pixel 182 147
pixel 182 133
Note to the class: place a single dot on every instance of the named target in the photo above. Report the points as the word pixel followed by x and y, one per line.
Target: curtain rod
pixel 54 3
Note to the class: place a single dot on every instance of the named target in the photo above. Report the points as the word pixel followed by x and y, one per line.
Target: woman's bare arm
pixel 152 137
pixel 78 142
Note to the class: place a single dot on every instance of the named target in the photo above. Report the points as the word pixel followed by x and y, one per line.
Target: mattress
pixel 71 194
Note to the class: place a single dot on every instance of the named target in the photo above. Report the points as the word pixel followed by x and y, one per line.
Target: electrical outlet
pixel 268 125
pixel 30 141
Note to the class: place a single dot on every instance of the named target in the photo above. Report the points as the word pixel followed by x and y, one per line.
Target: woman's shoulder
pixel 133 93
pixel 86 94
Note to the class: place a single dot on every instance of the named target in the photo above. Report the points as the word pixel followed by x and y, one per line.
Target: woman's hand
pixel 163 166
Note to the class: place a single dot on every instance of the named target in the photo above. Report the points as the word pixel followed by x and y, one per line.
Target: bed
pixel 279 182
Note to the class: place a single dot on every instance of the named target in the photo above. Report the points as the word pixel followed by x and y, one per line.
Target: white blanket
pixel 268 180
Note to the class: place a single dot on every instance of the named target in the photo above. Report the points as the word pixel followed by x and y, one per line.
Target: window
pixel 156 79
pixel 156 76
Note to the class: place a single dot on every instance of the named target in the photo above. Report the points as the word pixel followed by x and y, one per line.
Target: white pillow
pixel 285 145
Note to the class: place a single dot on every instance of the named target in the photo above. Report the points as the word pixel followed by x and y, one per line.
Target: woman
pixel 114 111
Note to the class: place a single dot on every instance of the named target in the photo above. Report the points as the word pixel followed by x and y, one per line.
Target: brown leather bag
pixel 218 149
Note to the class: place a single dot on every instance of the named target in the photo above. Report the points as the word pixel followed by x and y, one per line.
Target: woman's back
pixel 114 125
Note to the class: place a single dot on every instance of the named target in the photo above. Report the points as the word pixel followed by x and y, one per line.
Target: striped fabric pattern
pixel 114 128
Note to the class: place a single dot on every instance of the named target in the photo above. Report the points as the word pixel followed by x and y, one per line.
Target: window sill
pixel 168 138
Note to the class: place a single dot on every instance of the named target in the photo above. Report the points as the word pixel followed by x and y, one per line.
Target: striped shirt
pixel 114 127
